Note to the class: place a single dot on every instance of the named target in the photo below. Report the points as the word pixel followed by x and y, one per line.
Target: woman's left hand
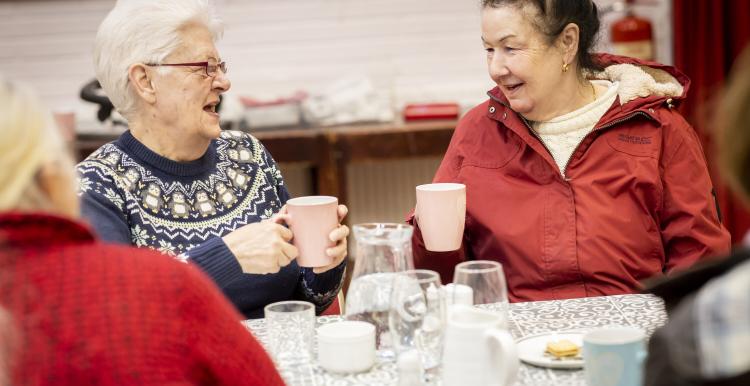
pixel 338 235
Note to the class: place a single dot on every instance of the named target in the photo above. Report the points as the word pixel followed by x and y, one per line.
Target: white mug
pixel 478 351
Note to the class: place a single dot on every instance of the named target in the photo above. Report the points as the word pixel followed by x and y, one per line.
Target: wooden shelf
pixel 328 150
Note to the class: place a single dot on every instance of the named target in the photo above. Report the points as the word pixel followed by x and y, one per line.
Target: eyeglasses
pixel 211 68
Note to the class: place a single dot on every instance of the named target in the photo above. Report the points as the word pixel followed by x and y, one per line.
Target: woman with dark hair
pixel 581 177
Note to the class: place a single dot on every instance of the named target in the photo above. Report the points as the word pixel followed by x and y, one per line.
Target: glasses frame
pixel 219 66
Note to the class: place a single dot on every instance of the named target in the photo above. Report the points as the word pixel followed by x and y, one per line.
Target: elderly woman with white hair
pixel 81 312
pixel 175 182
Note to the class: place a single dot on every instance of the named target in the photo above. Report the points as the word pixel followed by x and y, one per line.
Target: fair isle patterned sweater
pixel 131 195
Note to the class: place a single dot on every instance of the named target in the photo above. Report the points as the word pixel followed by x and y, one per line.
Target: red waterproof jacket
pixel 637 200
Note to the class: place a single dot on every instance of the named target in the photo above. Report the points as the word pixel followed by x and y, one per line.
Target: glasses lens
pixel 211 69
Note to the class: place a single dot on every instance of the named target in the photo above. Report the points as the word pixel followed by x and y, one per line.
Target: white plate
pixel 531 350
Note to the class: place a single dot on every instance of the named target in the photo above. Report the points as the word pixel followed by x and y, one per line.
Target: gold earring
pixel 565 67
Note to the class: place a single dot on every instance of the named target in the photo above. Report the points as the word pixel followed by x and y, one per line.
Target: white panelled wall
pixel 416 50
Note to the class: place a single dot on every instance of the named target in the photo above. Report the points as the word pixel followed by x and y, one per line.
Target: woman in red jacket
pixel 87 313
pixel 581 178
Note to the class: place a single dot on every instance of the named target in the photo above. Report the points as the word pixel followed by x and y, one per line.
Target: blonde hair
pixel 29 141
pixel 734 124
pixel 144 31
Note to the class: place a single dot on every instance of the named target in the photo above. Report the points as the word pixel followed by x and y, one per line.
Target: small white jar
pixel 346 346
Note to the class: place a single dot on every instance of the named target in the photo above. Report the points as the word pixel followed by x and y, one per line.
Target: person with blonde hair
pixel 706 339
pixel 176 183
pixel 87 313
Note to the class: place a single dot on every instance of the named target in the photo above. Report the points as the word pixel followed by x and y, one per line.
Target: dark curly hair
pixel 554 15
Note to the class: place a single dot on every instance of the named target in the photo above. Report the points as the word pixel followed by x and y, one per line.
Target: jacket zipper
pixel 536 136
pixel 623 119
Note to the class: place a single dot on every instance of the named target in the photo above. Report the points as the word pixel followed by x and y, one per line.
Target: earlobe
pixel 142 82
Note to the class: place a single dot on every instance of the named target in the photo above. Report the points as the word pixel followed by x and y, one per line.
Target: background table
pixel 328 150
pixel 643 311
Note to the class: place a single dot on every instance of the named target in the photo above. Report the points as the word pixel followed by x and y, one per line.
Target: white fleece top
pixel 562 134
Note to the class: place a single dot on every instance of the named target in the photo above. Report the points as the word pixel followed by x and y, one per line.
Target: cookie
pixel 562 348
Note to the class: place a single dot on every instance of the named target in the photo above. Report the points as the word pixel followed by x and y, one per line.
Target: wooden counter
pixel 329 150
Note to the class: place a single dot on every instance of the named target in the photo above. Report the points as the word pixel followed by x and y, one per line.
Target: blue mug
pixel 613 356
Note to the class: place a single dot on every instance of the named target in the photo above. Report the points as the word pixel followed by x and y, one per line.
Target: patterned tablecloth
pixel 644 311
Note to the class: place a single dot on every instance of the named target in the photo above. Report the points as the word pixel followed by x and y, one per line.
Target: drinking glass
pixel 486 280
pixel 291 328
pixel 417 318
pixel 381 250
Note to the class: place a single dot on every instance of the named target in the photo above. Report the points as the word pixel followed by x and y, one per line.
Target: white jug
pixel 478 351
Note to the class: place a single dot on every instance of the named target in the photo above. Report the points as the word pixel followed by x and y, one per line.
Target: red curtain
pixel 708 36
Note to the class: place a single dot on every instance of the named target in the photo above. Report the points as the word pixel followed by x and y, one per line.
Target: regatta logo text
pixel 634 139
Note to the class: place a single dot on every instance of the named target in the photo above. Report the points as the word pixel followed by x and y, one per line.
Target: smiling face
pixel 185 97
pixel 521 62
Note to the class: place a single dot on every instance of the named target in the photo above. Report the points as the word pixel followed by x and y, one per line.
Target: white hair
pixel 29 140
pixel 144 31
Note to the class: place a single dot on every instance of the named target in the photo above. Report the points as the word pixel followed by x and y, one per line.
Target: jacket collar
pixel 499 108
pixel 28 230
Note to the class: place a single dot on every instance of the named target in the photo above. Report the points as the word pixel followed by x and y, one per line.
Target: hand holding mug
pixel 262 247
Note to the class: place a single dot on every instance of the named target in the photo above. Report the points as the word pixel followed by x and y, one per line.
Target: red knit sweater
pixel 86 313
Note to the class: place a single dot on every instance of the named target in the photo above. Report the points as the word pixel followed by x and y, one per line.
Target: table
pixel 643 311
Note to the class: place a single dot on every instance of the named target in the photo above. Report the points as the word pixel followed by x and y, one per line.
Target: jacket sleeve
pixel 221 348
pixel 698 345
pixel 690 222
pixel 440 262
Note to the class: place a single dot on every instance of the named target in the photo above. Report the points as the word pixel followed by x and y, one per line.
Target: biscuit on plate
pixel 562 348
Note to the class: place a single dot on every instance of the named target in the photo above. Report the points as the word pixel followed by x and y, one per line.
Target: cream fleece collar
pixel 640 81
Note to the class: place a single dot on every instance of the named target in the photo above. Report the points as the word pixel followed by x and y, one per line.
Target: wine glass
pixel 484 280
pixel 382 249
pixel 417 318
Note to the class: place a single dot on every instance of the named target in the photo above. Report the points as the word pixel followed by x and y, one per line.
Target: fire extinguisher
pixel 632 35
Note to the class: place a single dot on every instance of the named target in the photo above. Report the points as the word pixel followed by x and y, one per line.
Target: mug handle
pixel 503 351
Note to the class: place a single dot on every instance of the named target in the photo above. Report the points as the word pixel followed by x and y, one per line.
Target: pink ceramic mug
pixel 441 213
pixel 312 219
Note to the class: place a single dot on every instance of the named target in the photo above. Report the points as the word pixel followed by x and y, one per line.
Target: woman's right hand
pixel 262 247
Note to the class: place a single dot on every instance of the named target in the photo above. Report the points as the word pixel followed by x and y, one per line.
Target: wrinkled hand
pixel 338 235
pixel 262 247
